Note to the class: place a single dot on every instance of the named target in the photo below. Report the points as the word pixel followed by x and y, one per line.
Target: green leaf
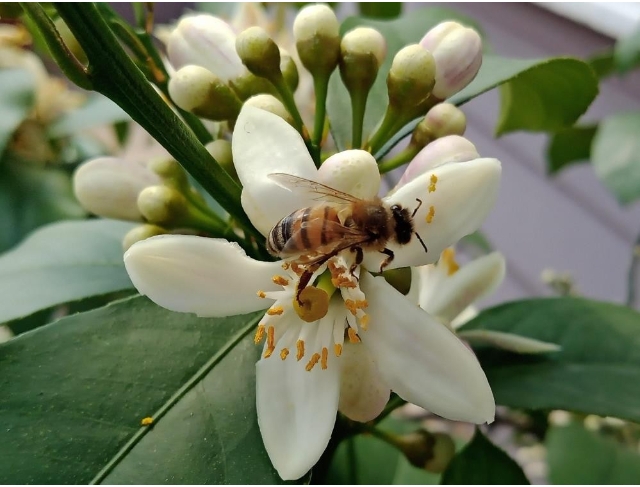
pixel 577 456
pixel 74 394
pixel 398 33
pixel 626 54
pixel 365 459
pixel 60 263
pixel 17 88
pixel 98 110
pixel 549 96
pixel 32 196
pixel 569 146
pixel 593 373
pixel 481 462
pixel 616 155
pixel 602 64
pixel 380 10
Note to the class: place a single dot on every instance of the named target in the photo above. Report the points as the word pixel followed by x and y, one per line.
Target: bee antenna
pixel 422 242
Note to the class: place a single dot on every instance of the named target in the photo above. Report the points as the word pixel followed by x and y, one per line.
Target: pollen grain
pixel 315 358
pixel 432 183
pixel 431 214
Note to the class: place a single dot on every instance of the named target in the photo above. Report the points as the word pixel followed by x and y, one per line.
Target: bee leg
pixel 390 255
pixel 358 260
pixel 417 207
pixel 305 277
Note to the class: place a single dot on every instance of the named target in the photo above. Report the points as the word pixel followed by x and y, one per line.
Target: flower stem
pixel 399 159
pixel 358 106
pixel 320 87
pixel 114 74
pixel 70 66
pixel 394 403
pixel 385 130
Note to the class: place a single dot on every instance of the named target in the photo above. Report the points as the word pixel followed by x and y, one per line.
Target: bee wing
pixel 298 184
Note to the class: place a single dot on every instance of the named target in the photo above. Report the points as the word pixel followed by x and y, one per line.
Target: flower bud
pixel 351 171
pixel 162 205
pixel 199 91
pixel 109 187
pixel 411 77
pixel 249 84
pixel 206 41
pixel 139 233
pixel 442 120
pixel 258 52
pixel 430 451
pixel 289 70
pixel 451 148
pixel 271 104
pixel 221 151
pixel 457 51
pixel 316 31
pixel 362 51
pixel 171 173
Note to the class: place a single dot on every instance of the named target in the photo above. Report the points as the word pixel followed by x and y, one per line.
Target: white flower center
pixel 314 321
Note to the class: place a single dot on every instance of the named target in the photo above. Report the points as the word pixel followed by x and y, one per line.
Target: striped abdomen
pixel 304 230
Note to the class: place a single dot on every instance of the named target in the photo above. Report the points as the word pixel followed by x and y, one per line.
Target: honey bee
pixel 313 235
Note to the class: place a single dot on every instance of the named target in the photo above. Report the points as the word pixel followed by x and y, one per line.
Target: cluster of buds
pixel 156 194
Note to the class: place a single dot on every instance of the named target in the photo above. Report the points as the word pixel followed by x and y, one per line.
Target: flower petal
pixel 363 393
pixel 296 412
pixel 456 198
pixel 508 341
pixel 264 143
pixel 209 277
pixel 457 291
pixel 421 359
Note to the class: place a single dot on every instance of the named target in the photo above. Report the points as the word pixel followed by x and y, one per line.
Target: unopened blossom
pixel 358 338
pixel 447 291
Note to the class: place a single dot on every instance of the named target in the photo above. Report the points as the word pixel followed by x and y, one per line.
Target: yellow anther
pixel 285 266
pixel 300 348
pixel 271 333
pixel 261 294
pixel 362 303
pixel 283 353
pixel 364 322
pixel 432 183
pixel 448 257
pixel 431 214
pixel 280 281
pixel 275 310
pixel 337 349
pixel 315 358
pixel 268 352
pixel 325 357
pixel 351 306
pixel 259 334
pixel 146 421
pixel 353 336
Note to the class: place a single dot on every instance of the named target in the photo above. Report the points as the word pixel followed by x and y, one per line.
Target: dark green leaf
pixel 594 371
pixel 60 263
pixel 365 460
pixel 616 155
pixel 626 54
pixel 481 462
pixel 570 146
pixel 17 88
pixel 398 33
pixel 98 110
pixel 75 392
pixel 577 456
pixel 32 196
pixel 380 10
pixel 602 64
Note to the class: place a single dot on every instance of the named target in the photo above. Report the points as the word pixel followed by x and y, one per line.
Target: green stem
pixel 399 159
pixel 115 75
pixel 320 87
pixel 394 403
pixel 384 131
pixel 358 106
pixel 70 66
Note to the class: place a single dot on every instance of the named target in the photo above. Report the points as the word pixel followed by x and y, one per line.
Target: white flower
pixel 447 291
pixel 368 338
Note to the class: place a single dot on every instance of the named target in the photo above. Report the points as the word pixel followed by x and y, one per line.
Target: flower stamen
pixel 279 280
pixel 261 294
pixel 353 336
pixel 271 331
pixel 324 358
pixel 300 348
pixel 432 183
pixel 315 358
pixel 431 214
pixel 337 349
pixel 284 353
pixel 449 259
pixel 260 332
pixel 275 310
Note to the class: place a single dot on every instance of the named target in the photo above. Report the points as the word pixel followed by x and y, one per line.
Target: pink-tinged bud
pixel 206 41
pixel 451 148
pixel 457 51
pixel 109 187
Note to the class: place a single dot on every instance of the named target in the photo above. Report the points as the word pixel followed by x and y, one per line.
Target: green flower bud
pixel 411 77
pixel 399 278
pixel 221 151
pixel 289 70
pixel 316 31
pixel 249 84
pixel 142 232
pixel 271 104
pixel 162 205
pixel 259 53
pixel 430 451
pixel 199 91
pixel 441 120
pixel 171 173
pixel 362 51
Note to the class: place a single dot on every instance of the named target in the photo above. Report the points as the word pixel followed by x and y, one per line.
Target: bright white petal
pixel 264 143
pixel 508 341
pixel 467 315
pixel 363 393
pixel 296 412
pixel 421 359
pixel 454 204
pixel 209 277
pixel 468 284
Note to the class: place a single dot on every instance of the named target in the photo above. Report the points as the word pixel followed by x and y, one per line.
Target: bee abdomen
pixel 281 232
pixel 303 230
